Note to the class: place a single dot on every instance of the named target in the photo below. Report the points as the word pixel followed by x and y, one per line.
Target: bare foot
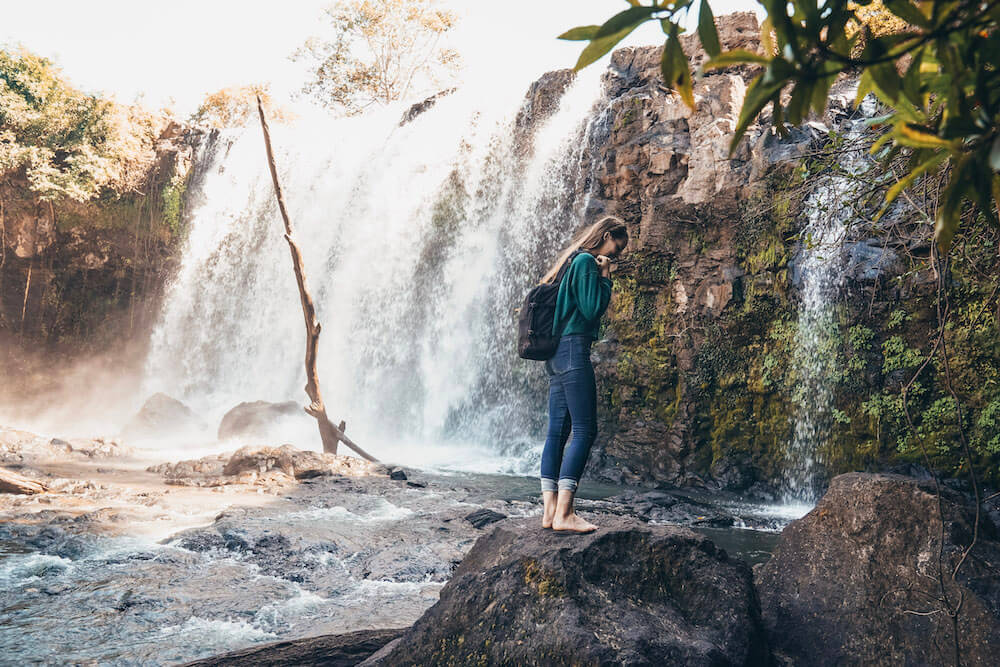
pixel 573 524
pixel 548 508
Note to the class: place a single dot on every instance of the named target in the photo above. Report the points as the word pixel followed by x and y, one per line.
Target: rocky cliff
pixel 696 373
pixel 78 278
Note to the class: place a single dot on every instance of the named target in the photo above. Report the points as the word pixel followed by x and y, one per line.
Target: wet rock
pixel 397 474
pixel 329 650
pixel 297 463
pixel 256 419
pixel 484 517
pixel 19 447
pixel 871 258
pixel 664 507
pixel 264 466
pixel 540 102
pixel 857 579
pixel 161 416
pixel 627 594
pixel 420 107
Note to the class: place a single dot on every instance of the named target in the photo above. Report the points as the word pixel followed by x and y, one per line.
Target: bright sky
pixel 183 49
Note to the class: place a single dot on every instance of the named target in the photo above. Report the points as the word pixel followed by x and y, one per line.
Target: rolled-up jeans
pixel 572 410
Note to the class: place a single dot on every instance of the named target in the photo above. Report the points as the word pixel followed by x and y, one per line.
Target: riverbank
pixel 118 564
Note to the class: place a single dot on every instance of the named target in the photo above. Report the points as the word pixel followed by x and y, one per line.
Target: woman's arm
pixel 591 290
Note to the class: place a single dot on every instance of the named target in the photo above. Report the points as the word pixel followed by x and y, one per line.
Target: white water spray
pixel 419 242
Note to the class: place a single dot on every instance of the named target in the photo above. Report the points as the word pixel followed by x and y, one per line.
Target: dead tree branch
pixel 330 434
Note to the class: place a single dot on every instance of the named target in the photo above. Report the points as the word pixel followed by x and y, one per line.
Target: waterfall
pixel 419 242
pixel 821 263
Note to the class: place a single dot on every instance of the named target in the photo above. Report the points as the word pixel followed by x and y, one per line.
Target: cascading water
pixel 821 265
pixel 419 242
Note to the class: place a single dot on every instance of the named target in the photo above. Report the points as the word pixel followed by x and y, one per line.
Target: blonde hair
pixel 589 240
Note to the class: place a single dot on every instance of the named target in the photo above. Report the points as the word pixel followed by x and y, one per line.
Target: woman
pixel 582 298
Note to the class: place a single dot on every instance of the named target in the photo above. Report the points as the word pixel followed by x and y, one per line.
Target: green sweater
pixel 583 297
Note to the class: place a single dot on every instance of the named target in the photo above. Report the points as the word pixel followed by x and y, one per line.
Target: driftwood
pixel 330 434
pixel 11 482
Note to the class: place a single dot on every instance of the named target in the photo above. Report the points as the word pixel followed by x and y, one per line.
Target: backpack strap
pixel 565 267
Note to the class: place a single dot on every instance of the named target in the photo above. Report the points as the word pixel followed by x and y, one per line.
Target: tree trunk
pixel 11 482
pixel 330 434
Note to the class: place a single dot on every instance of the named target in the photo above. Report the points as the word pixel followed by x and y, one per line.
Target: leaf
pixel 584 33
pixel 680 71
pixel 761 90
pixel 707 32
pixel 734 57
pixel 766 39
pixel 629 18
pixel 908 12
pixel 887 82
pixel 820 95
pixel 911 80
pixel 878 120
pixel 600 46
pixel 865 86
pixel 915 136
pixel 667 63
pixel 893 192
pixel 799 102
pixel 981 190
pixel 881 141
pixel 995 154
pixel 950 208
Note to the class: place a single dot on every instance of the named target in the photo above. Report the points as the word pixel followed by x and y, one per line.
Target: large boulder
pixel 160 417
pixel 625 594
pixel 256 419
pixel 862 577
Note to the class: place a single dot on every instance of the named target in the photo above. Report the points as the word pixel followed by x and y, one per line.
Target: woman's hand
pixel 604 265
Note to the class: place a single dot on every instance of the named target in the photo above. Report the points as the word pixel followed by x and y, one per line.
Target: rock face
pixel 628 594
pixel 255 419
pixel 90 274
pixel 697 370
pixel 856 581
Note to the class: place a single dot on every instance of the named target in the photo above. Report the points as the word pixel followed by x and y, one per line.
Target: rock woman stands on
pixel 582 298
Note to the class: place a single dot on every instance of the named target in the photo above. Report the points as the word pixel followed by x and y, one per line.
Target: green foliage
pixel 987 434
pixel 897 317
pixel 944 107
pixel 173 202
pixel 897 355
pixel 65 143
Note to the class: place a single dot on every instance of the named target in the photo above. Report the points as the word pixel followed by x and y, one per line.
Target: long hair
pixel 589 240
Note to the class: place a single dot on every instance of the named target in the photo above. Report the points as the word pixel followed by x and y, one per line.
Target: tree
pixel 66 143
pixel 943 109
pixel 379 51
pixel 235 106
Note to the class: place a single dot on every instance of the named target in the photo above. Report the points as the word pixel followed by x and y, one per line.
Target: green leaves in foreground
pixel 604 38
pixel 943 110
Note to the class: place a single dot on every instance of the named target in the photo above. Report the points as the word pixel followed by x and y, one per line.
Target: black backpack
pixel 536 316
